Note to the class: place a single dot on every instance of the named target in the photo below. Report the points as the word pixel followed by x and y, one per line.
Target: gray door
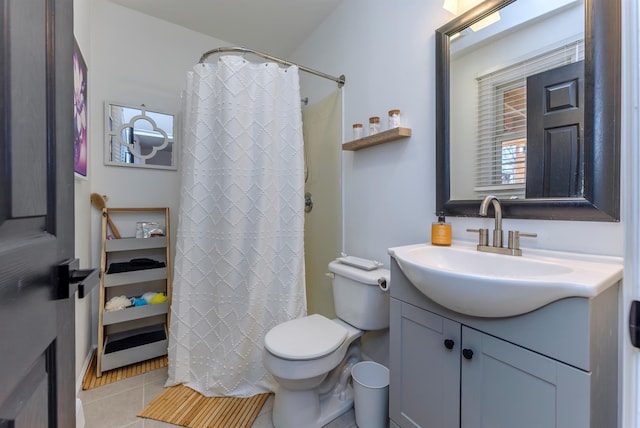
pixel 555 132
pixel 425 376
pixel 506 386
pixel 37 365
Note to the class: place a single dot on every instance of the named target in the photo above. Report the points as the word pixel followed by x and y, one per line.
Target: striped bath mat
pixel 183 406
pixel 90 380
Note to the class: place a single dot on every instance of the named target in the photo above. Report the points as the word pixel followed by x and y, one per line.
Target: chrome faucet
pixel 483 234
pixel 497 230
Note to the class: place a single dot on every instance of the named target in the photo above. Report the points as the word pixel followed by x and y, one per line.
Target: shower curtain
pixel 239 265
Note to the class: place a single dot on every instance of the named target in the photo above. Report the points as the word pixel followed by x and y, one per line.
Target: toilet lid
pixel 305 338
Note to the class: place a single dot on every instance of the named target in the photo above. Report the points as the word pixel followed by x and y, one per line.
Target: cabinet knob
pixel 467 353
pixel 448 343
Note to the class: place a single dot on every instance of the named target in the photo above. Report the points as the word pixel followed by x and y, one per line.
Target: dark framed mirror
pixel 587 156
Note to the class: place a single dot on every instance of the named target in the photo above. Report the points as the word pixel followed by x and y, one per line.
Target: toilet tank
pixel 358 298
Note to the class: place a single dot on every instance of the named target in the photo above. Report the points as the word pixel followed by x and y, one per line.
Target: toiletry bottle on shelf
pixel 441 231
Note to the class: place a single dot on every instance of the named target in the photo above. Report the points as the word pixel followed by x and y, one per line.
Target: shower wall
pixel 322 230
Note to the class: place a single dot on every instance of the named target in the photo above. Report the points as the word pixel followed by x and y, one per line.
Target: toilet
pixel 311 357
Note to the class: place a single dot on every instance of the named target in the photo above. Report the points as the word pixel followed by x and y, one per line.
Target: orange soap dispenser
pixel 441 231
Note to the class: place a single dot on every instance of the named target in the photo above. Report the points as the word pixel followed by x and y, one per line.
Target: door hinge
pixel 634 323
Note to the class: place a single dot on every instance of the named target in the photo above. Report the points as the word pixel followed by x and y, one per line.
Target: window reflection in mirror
pixel 139 137
pixel 489 67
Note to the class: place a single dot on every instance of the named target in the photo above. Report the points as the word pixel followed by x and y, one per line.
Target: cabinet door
pixel 425 374
pixel 506 386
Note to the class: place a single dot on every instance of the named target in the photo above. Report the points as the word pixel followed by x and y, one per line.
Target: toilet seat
pixel 306 338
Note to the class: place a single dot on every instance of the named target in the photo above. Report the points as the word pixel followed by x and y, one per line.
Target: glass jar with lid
pixel 374 125
pixel 394 119
pixel 357 131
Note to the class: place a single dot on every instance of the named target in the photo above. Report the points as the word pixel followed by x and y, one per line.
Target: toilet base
pixel 295 409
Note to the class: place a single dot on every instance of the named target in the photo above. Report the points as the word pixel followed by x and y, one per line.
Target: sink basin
pixel 480 284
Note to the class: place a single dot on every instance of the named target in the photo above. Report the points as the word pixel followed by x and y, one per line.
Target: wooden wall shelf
pixel 387 136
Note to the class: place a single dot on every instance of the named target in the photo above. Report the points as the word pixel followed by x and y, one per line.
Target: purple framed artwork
pixel 79 113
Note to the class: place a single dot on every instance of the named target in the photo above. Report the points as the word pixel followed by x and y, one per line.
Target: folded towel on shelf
pixel 135 264
pixel 116 303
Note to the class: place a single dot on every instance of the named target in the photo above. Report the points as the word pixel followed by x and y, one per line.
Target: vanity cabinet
pixel 504 385
pixel 425 373
pixel 554 367
pixel 135 333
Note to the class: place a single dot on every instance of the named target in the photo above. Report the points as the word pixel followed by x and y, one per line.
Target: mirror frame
pixel 109 133
pixel 601 198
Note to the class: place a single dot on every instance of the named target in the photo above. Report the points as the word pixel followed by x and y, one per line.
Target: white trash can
pixel 371 394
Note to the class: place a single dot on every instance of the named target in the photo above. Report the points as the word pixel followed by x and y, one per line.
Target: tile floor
pixel 116 405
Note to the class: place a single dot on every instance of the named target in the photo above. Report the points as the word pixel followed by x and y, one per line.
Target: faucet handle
pixel 483 236
pixel 514 238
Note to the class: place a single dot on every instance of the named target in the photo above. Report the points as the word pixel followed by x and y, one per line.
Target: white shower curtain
pixel 239 265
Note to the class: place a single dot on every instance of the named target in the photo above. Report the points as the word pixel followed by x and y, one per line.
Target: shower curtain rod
pixel 339 80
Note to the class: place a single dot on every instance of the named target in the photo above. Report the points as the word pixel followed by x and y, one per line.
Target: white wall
pixel 136 59
pixel 387 51
pixel 81 30
pixel 630 188
pixel 133 59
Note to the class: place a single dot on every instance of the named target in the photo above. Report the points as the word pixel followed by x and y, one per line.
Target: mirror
pixel 489 137
pixel 138 137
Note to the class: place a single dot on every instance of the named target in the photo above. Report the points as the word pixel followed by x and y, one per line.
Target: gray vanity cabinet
pixel 425 374
pixel 554 367
pixel 504 385
pixel 448 375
